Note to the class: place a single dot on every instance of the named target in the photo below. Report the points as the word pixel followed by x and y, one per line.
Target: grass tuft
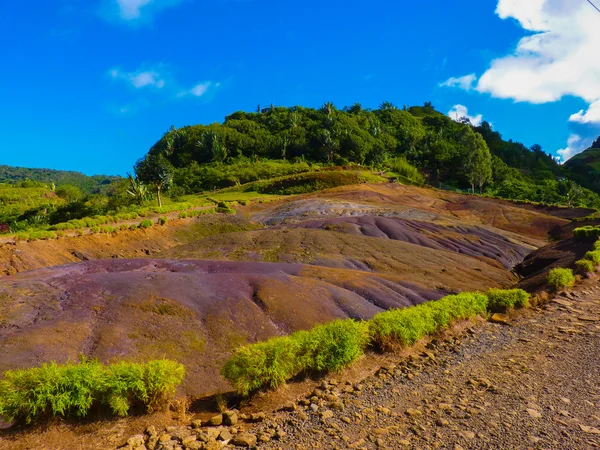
pixel 560 278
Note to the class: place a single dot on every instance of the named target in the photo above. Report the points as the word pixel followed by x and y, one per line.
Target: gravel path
pixel 534 384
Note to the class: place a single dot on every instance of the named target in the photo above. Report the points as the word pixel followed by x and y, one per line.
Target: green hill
pixel 279 141
pixel 88 184
pixel 584 168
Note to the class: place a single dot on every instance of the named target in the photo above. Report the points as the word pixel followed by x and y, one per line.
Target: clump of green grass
pixel 404 327
pixel 560 278
pixel 75 389
pixel 587 232
pixel 407 171
pixel 146 223
pixel 585 266
pixel 593 256
pixel 163 220
pixel 502 300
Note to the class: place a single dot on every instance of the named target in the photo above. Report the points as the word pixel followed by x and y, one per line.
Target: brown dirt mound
pixel 436 268
pixel 195 312
pixel 471 241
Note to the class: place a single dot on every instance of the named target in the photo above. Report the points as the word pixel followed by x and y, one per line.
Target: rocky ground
pixel 531 384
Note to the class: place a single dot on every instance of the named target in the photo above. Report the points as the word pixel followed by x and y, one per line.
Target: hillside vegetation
pixel 279 141
pixel 584 167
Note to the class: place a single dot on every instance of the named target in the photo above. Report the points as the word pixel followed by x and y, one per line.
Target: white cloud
pixel 576 144
pixel 557 58
pixel 140 79
pixel 200 89
pixel 459 111
pixel 465 82
pixel 591 116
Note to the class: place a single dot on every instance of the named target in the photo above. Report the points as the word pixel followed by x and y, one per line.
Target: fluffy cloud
pixel 459 111
pixel 200 89
pixel 556 59
pixel 140 79
pixel 465 83
pixel 131 9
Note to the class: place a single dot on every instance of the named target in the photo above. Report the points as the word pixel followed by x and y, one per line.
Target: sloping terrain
pixel 278 267
pixel 191 311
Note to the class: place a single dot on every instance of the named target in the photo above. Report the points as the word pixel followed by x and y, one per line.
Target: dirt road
pixel 533 384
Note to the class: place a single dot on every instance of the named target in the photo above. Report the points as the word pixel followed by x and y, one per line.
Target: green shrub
pixel 407 171
pixel 585 266
pixel 593 256
pixel 146 223
pixel 587 233
pixel 501 300
pixel 265 364
pixel 597 245
pixel 332 346
pixel 95 230
pixel 183 215
pixel 162 220
pixel 406 326
pixel 560 278
pixel 74 389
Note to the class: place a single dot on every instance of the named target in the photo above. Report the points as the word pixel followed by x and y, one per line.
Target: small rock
pixel 501 319
pixel 589 430
pixel 534 413
pixel 244 440
pixel 197 424
pixel 230 418
pixel 136 441
pixel 468 434
pixel 258 417
pixel 225 435
pixel 413 412
pixel 290 407
pixel 215 420
pixel 442 423
pixel 327 414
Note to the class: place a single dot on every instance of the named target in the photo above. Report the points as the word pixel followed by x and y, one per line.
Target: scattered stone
pixel 258 417
pixel 230 418
pixel 534 413
pixel 327 414
pixel 467 434
pixel 197 424
pixel 244 440
pixel 136 441
pixel 413 412
pixel 225 435
pixel 501 319
pixel 290 407
pixel 215 421
pixel 589 430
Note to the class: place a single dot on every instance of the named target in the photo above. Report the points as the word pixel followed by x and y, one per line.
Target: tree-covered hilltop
pixel 584 167
pixel 88 184
pixel 275 141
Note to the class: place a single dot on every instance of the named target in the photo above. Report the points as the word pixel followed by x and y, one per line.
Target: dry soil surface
pixel 533 384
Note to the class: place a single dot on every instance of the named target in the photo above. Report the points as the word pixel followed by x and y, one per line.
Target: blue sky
pixel 90 85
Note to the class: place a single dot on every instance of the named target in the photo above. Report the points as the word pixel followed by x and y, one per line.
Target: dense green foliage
pixel 332 346
pixel 584 168
pixel 593 256
pixel 502 300
pixel 88 184
pixel 253 146
pixel 588 233
pixel 585 266
pixel 336 345
pixel 74 389
pixel 560 278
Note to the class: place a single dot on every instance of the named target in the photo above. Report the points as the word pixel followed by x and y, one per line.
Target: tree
pixel 156 170
pixel 477 159
pixel 596 143
pixel 69 192
pixel 137 189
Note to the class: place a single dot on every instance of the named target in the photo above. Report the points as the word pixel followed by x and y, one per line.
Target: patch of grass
pixel 585 267
pixel 146 223
pixel 593 256
pixel 587 232
pixel 407 171
pixel 560 278
pixel 502 300
pixel 335 345
pixel 163 220
pixel 75 389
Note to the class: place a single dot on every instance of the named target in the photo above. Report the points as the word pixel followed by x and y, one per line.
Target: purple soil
pixel 195 312
pixel 472 241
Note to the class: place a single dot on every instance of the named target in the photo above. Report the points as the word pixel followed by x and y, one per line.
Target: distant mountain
pixel 88 184
pixel 584 168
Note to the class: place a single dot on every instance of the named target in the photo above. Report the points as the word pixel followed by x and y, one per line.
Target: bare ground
pixel 534 384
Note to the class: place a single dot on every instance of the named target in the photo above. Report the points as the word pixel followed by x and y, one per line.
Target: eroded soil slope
pixel 195 312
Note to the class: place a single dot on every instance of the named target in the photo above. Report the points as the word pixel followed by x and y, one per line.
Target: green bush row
pixel 587 233
pixel 585 266
pixel 336 345
pixel 74 389
pixel 197 213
